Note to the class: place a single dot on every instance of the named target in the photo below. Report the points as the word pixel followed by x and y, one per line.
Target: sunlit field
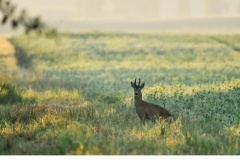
pixel 71 94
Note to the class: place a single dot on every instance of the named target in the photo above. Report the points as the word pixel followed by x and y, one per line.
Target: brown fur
pixel 147 110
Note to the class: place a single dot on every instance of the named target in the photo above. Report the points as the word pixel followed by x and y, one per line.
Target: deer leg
pixel 169 119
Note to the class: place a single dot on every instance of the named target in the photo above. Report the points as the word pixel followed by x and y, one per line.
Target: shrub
pixel 9 93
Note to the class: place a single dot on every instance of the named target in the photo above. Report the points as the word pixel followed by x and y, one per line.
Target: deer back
pixel 151 111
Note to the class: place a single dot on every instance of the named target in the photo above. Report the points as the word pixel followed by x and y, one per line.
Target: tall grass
pixel 74 94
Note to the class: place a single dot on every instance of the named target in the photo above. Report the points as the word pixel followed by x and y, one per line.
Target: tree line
pixel 22 18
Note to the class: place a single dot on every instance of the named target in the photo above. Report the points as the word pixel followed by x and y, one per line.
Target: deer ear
pixel 142 86
pixel 132 84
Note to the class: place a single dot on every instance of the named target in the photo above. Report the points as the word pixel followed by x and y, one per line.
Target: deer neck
pixel 138 99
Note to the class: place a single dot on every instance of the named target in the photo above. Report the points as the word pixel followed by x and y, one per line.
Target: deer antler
pixel 135 83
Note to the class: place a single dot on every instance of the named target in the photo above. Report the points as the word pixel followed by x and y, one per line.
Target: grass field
pixel 72 94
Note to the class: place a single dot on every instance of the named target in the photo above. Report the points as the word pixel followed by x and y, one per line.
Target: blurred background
pixel 215 16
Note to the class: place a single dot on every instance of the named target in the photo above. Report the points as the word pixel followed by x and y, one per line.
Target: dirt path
pixel 6 48
pixel 9 64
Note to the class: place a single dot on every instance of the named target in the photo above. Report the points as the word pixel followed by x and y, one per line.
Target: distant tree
pixel 159 8
pixel 146 8
pixel 123 8
pixel 91 8
pixel 216 7
pixel 184 8
pixel 238 8
pixel 9 15
pixel 108 8
pixel 136 8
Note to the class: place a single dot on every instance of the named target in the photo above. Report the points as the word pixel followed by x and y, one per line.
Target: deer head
pixel 137 88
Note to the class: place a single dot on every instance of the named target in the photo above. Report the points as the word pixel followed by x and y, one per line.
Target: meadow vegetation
pixel 72 95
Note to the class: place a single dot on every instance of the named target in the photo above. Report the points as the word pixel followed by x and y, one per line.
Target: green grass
pixel 72 94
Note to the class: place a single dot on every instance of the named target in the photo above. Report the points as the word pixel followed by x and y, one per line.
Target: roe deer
pixel 147 110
